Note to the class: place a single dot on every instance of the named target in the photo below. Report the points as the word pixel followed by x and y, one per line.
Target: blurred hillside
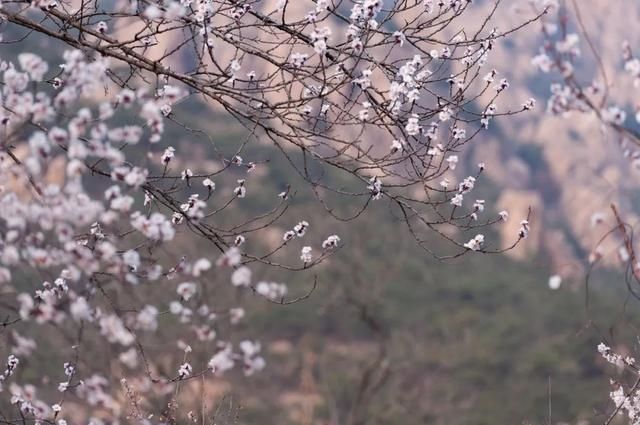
pixel 481 340
pixel 461 337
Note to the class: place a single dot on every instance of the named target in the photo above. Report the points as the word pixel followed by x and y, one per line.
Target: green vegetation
pixel 480 340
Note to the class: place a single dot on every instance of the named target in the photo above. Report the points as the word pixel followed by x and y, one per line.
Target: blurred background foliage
pixel 473 341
